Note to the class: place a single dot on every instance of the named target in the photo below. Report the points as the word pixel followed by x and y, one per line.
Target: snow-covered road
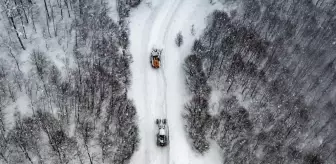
pixel 160 93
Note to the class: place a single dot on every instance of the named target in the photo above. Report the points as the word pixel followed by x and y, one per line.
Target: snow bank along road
pixel 159 93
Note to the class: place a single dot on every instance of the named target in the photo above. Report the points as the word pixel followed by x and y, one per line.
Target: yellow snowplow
pixel 155 58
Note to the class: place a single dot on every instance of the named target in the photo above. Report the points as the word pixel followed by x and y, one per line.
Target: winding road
pixel 160 93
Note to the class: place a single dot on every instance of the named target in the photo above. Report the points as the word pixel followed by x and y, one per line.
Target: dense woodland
pixel 273 66
pixel 77 113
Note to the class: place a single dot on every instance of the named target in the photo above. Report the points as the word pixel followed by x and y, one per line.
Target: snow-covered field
pixel 161 93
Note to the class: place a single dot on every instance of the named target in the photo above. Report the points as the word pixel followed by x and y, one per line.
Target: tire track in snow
pixel 160 86
pixel 163 28
pixel 145 40
pixel 176 7
pixel 154 91
pixel 161 78
pixel 162 72
pixel 155 88
pixel 159 26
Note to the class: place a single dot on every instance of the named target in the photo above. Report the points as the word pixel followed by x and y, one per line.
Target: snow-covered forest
pixel 64 74
pixel 241 81
pixel 263 83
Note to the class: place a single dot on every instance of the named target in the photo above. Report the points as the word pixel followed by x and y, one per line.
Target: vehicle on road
pixel 155 58
pixel 162 137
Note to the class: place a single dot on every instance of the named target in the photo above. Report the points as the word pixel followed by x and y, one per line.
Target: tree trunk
pixel 3 157
pixel 87 150
pixel 47 16
pixel 26 153
pixel 227 91
pixel 17 33
pixel 32 18
pixel 46 8
pixel 53 18
pixel 80 3
pixel 19 12
pixel 60 6
pixel 16 61
pixel 67 6
pixel 24 12
pixel 48 27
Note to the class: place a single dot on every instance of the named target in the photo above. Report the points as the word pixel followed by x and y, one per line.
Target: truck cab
pixel 155 58
pixel 162 138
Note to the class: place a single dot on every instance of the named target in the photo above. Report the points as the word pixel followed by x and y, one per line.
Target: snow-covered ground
pixel 161 93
